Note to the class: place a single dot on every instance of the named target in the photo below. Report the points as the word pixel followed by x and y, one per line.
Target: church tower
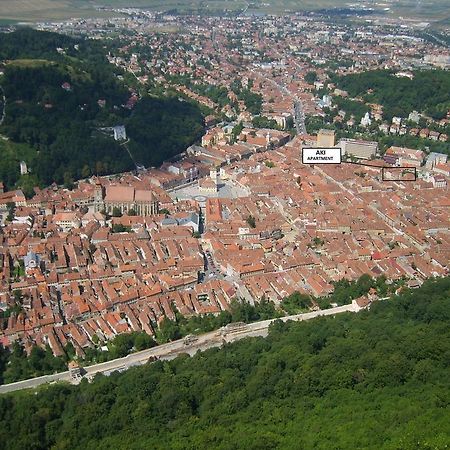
pixel 99 194
pixel 213 175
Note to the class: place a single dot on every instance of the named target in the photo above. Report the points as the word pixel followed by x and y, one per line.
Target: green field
pixel 433 9
pixel 38 10
pixel 30 62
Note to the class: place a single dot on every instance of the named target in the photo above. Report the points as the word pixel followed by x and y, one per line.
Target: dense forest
pixel 428 92
pixel 30 44
pixel 162 128
pixel 59 92
pixel 373 380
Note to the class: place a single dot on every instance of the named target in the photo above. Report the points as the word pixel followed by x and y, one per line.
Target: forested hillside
pixel 161 128
pixel 428 92
pixel 59 92
pixel 29 44
pixel 372 380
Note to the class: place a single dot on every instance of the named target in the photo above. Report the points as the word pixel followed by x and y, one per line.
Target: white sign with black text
pixel 321 155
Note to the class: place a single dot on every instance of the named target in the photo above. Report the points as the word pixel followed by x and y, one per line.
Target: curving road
pixel 4 105
pixel 173 349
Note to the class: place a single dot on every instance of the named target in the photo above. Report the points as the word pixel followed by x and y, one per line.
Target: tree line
pixel 427 92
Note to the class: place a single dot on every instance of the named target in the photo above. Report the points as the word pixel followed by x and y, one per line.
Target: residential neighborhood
pixel 237 214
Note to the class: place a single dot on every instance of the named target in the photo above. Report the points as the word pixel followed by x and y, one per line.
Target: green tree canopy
pixel 375 380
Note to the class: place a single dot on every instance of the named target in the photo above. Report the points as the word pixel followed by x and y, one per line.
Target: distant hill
pixel 373 380
pixel 59 92
pixel 30 44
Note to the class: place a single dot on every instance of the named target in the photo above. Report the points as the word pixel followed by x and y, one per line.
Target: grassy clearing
pixel 11 154
pixel 30 62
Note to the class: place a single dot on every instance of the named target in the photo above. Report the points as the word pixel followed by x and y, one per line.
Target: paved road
pixel 173 349
pixel 242 291
pixel 299 115
pixel 4 106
